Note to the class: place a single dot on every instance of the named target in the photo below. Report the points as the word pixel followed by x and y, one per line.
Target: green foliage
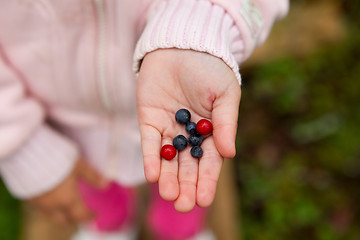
pixel 9 215
pixel 299 144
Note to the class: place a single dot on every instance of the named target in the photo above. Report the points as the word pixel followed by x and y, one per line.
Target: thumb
pixel 224 118
pixel 90 175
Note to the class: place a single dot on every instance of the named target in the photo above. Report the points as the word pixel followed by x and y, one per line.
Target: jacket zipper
pixel 111 163
pixel 101 53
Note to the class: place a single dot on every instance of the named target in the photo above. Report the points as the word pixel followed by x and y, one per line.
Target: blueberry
pixel 180 142
pixel 191 127
pixel 196 152
pixel 182 116
pixel 195 139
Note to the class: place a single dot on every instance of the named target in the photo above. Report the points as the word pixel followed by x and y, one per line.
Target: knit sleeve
pixel 227 29
pixel 34 158
pixel 254 19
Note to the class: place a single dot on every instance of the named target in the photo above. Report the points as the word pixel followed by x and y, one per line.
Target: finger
pixel 188 175
pixel 209 170
pixel 224 119
pixel 78 212
pixel 168 181
pixel 59 217
pixel 90 175
pixel 151 145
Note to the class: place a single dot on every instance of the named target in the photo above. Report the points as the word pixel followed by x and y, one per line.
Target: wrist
pixel 207 28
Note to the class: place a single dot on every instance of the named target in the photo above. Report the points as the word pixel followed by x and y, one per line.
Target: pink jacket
pixel 67 88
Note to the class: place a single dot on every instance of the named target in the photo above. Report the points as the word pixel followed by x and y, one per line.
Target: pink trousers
pixel 116 207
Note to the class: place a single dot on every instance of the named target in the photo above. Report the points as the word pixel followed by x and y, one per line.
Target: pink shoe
pixel 114 206
pixel 168 224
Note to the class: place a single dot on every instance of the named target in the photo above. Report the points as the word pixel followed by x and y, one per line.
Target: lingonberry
pixel 168 152
pixel 204 127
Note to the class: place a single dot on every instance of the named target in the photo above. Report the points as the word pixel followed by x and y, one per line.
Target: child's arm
pixel 33 157
pixel 36 162
pixel 205 83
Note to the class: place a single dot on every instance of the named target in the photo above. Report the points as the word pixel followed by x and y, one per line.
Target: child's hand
pixel 171 79
pixel 64 203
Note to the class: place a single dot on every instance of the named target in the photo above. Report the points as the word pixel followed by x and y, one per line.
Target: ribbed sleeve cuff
pixel 191 24
pixel 40 165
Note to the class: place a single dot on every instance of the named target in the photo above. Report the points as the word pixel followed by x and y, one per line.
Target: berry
pixel 191 127
pixel 182 116
pixel 168 152
pixel 180 142
pixel 204 127
pixel 196 152
pixel 195 139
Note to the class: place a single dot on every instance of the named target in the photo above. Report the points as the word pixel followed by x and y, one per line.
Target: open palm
pixel 172 79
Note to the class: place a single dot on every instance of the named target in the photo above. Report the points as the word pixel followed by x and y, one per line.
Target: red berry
pixel 168 152
pixel 204 127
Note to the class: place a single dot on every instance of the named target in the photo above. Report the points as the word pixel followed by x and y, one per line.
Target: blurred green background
pixel 298 161
pixel 299 129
